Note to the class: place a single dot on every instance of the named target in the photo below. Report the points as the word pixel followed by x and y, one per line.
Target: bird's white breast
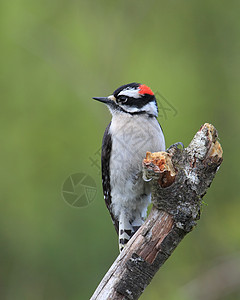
pixel 132 136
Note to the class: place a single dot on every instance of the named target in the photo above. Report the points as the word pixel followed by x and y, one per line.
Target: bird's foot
pixel 175 145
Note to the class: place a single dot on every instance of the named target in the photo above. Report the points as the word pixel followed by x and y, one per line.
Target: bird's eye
pixel 122 98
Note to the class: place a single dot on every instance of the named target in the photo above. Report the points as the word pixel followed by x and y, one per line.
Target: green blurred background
pixel 55 56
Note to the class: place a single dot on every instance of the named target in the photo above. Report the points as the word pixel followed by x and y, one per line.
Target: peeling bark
pixel 179 180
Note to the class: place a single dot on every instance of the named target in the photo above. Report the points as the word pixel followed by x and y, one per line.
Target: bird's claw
pixel 175 145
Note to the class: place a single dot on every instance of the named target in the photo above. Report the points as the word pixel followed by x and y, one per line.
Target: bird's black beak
pixel 105 100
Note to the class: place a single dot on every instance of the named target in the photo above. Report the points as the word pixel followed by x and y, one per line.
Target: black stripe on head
pixel 129 85
pixel 140 102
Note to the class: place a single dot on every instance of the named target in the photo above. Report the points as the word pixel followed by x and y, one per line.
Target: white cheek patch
pixel 151 108
pixel 130 93
pixel 129 108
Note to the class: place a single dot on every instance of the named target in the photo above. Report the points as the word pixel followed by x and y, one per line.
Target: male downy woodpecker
pixel 132 132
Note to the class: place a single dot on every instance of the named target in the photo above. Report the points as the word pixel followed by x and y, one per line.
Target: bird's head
pixel 133 98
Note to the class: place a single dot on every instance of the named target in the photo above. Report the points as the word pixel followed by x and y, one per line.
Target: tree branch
pixel 179 180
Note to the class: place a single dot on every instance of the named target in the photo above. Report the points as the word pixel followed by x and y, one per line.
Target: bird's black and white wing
pixel 105 159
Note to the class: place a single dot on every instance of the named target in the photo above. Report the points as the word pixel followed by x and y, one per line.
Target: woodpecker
pixel 133 130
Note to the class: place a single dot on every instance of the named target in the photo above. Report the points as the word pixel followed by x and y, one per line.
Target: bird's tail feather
pixel 127 230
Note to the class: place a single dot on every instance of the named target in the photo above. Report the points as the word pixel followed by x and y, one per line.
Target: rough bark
pixel 179 179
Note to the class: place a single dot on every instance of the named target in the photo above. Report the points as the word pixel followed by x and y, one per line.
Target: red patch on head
pixel 143 89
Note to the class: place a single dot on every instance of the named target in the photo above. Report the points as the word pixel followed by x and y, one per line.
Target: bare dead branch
pixel 179 180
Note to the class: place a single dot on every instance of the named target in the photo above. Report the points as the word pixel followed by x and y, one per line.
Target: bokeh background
pixel 55 56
